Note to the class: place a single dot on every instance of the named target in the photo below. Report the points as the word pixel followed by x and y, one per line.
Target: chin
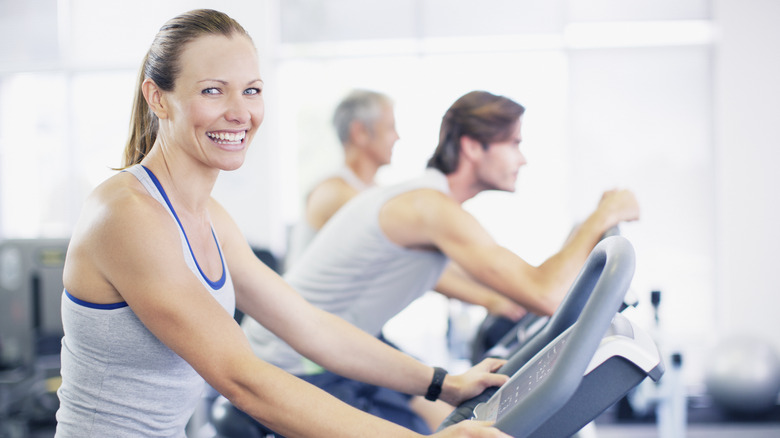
pixel 510 188
pixel 230 165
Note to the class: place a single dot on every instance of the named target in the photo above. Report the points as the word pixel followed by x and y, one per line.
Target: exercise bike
pixel 584 359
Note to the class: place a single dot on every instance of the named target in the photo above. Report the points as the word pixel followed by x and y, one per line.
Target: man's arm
pixel 455 283
pixel 427 218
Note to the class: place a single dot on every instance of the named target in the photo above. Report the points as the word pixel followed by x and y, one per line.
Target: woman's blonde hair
pixel 161 65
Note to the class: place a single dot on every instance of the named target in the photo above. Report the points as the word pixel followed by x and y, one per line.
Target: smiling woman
pixel 156 267
pixel 219 92
pixel 227 86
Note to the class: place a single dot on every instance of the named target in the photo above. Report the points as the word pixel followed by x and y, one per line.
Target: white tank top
pixel 118 379
pixel 302 232
pixel 352 270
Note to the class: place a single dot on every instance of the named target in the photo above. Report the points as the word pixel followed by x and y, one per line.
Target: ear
pixel 359 133
pixel 155 98
pixel 470 148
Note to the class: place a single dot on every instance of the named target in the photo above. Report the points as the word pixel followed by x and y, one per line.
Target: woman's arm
pixel 132 251
pixel 329 340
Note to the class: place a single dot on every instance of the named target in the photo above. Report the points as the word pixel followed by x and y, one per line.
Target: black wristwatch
pixel 434 390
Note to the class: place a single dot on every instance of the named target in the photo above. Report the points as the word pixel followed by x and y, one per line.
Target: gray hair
pixel 364 106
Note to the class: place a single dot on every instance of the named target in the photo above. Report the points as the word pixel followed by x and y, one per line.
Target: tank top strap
pixel 155 189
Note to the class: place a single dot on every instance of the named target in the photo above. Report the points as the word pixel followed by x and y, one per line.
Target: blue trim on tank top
pixel 214 284
pixel 110 306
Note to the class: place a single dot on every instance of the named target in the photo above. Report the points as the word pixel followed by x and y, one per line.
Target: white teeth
pixel 227 137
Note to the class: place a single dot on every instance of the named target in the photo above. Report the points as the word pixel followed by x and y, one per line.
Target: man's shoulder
pixel 423 202
pixel 327 198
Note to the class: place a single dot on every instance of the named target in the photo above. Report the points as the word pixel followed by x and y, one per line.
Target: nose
pixel 238 111
pixel 521 161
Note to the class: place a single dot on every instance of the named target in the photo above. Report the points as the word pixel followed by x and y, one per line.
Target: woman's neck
pixel 188 183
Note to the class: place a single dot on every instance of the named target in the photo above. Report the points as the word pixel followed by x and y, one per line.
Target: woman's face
pixel 216 105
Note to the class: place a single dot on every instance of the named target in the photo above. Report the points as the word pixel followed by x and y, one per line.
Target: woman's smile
pixel 229 140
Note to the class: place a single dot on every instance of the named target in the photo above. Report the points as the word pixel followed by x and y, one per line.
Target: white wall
pixel 747 113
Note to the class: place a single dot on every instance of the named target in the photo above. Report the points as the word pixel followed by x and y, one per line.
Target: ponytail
pixel 143 125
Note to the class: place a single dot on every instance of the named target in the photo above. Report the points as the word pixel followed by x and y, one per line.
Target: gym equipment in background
pixel 559 385
pixel 667 398
pixel 30 331
pixel 743 376
pixel 230 422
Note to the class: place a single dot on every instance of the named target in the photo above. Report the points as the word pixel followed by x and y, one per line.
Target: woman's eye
pixel 210 91
pixel 253 91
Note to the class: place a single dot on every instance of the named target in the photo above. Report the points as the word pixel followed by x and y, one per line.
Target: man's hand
pixel 619 205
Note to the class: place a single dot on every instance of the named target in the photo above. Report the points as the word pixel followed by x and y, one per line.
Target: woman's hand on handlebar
pixel 471 429
pixel 461 387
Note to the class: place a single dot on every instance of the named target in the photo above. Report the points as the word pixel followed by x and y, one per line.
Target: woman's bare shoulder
pixel 117 200
pixel 118 211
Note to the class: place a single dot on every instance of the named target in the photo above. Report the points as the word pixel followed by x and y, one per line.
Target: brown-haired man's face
pixel 500 163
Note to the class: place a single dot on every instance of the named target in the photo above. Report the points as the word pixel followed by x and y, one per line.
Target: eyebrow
pixel 224 82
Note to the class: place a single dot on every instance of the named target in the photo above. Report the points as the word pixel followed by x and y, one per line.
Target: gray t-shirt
pixel 352 270
pixel 118 379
